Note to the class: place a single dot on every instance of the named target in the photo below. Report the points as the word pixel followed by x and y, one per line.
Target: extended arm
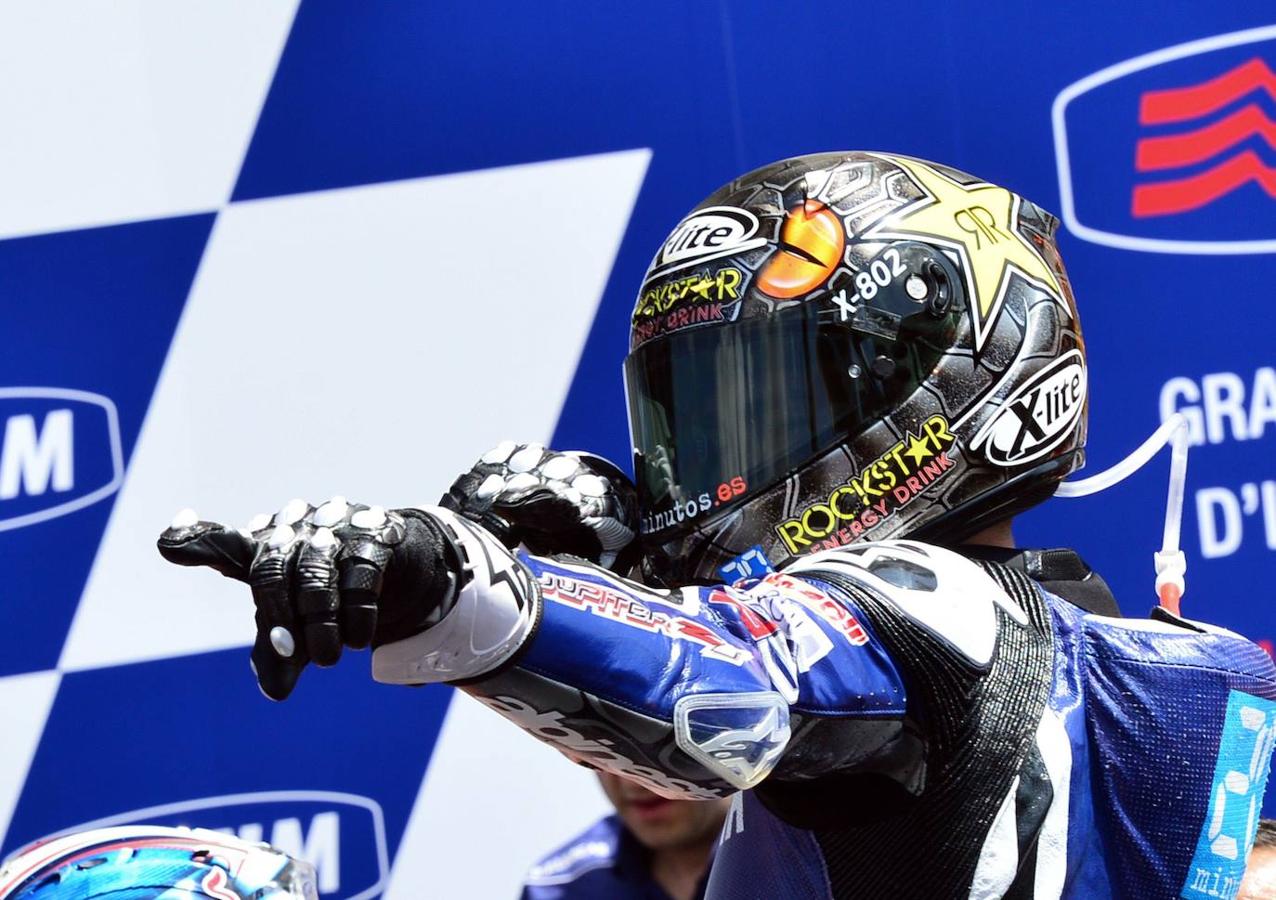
pixel 689 691
pixel 697 691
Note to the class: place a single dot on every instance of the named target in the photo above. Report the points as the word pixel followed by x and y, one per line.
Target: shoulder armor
pixel 948 595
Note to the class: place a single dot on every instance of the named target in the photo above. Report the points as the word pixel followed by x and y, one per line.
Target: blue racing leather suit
pixel 893 719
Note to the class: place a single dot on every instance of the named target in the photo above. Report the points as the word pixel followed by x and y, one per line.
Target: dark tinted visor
pixel 722 412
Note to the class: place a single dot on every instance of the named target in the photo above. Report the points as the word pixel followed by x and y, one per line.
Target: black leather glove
pixel 327 577
pixel 551 502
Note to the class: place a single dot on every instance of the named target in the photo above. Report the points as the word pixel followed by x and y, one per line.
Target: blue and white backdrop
pixel 257 249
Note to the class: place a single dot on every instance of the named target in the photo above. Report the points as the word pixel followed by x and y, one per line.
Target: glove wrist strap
pixel 494 613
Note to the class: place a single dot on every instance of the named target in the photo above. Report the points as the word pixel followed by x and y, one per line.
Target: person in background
pixel 652 848
pixel 1260 871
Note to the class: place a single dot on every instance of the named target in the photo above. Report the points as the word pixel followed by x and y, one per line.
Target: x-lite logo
pixel 1038 416
pixel 1025 410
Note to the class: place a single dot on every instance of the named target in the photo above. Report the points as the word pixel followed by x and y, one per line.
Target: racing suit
pixel 899 720
pixel 604 862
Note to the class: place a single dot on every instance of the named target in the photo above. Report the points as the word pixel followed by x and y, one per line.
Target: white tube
pixel 1128 466
pixel 1178 479
pixel 1171 564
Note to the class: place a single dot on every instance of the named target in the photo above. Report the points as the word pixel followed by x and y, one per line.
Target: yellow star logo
pixel 918 449
pixel 978 223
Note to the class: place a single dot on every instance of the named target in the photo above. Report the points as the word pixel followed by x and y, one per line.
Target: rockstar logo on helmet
pixel 978 222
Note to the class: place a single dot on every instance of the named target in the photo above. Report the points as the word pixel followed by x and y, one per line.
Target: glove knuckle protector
pixel 551 502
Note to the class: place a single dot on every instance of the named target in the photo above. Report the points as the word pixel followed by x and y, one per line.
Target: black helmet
pixel 843 347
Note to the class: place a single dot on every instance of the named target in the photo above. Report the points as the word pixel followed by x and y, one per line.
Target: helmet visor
pixel 720 413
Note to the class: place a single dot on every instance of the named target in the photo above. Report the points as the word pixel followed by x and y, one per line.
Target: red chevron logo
pixel 1191 131
pixel 1175 151
pixel 1182 104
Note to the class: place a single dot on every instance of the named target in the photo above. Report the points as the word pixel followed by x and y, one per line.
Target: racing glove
pixel 552 503
pixel 348 575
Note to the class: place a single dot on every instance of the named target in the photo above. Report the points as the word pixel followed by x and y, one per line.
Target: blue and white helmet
pixel 151 862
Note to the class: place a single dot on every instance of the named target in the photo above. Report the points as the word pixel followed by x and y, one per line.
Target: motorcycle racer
pixel 843 368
